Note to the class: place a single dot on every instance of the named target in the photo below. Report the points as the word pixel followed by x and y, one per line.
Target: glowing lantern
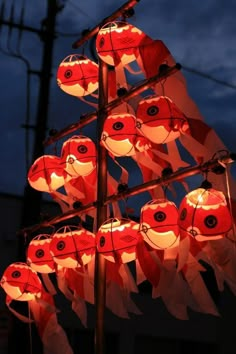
pixel 77 75
pixel 47 174
pixel 160 120
pixel 159 224
pixel 78 156
pixel 21 282
pixel 39 257
pixel 116 239
pixel 204 214
pixel 120 135
pixel 118 42
pixel 72 246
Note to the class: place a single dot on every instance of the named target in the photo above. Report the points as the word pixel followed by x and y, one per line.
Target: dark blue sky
pixel 200 35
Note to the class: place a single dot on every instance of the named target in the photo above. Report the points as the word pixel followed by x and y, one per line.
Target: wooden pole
pixel 100 261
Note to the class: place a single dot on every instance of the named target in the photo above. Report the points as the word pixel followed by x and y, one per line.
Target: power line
pixel 209 77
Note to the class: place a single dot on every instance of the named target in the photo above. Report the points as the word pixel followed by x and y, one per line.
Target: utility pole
pixel 32 199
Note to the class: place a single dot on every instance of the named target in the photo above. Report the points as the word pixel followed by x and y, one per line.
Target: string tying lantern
pixel 160 120
pixel 116 240
pixel 204 215
pixel 72 246
pixel 159 224
pixel 39 257
pixel 77 75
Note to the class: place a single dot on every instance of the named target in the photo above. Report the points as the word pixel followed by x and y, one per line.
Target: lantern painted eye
pixel 68 74
pixel 210 221
pixel 118 126
pixel 16 274
pixel 60 245
pixel 183 214
pixel 102 241
pixel 101 43
pixel 159 216
pixel 82 149
pixel 39 253
pixel 152 111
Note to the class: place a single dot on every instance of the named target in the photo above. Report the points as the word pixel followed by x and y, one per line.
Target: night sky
pixel 201 36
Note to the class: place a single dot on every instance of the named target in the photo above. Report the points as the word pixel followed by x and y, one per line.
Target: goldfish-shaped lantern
pixel 160 120
pixel 120 135
pixel 204 215
pixel 78 156
pixel 21 282
pixel 116 240
pixel 159 224
pixel 72 246
pixel 118 42
pixel 47 174
pixel 77 75
pixel 39 257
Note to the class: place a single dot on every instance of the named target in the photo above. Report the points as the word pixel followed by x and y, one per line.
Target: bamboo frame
pixel 207 166
pixel 102 199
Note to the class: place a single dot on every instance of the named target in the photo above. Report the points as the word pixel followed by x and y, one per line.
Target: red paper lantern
pixel 120 135
pixel 77 75
pixel 72 246
pixel 118 42
pixel 39 257
pixel 21 282
pixel 204 215
pixel 160 120
pixel 47 174
pixel 159 224
pixel 117 238
pixel 79 156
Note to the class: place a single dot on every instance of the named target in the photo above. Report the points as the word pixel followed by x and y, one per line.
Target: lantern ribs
pixel 228 158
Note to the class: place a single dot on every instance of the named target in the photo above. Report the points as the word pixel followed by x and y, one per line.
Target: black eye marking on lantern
pixel 183 214
pixel 118 126
pixel 210 221
pixel 82 149
pixel 101 42
pixel 61 245
pixel 153 110
pixel 16 274
pixel 39 253
pixel 68 74
pixel 160 216
pixel 102 241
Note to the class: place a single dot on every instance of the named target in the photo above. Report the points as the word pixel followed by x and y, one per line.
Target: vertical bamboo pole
pixel 100 263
